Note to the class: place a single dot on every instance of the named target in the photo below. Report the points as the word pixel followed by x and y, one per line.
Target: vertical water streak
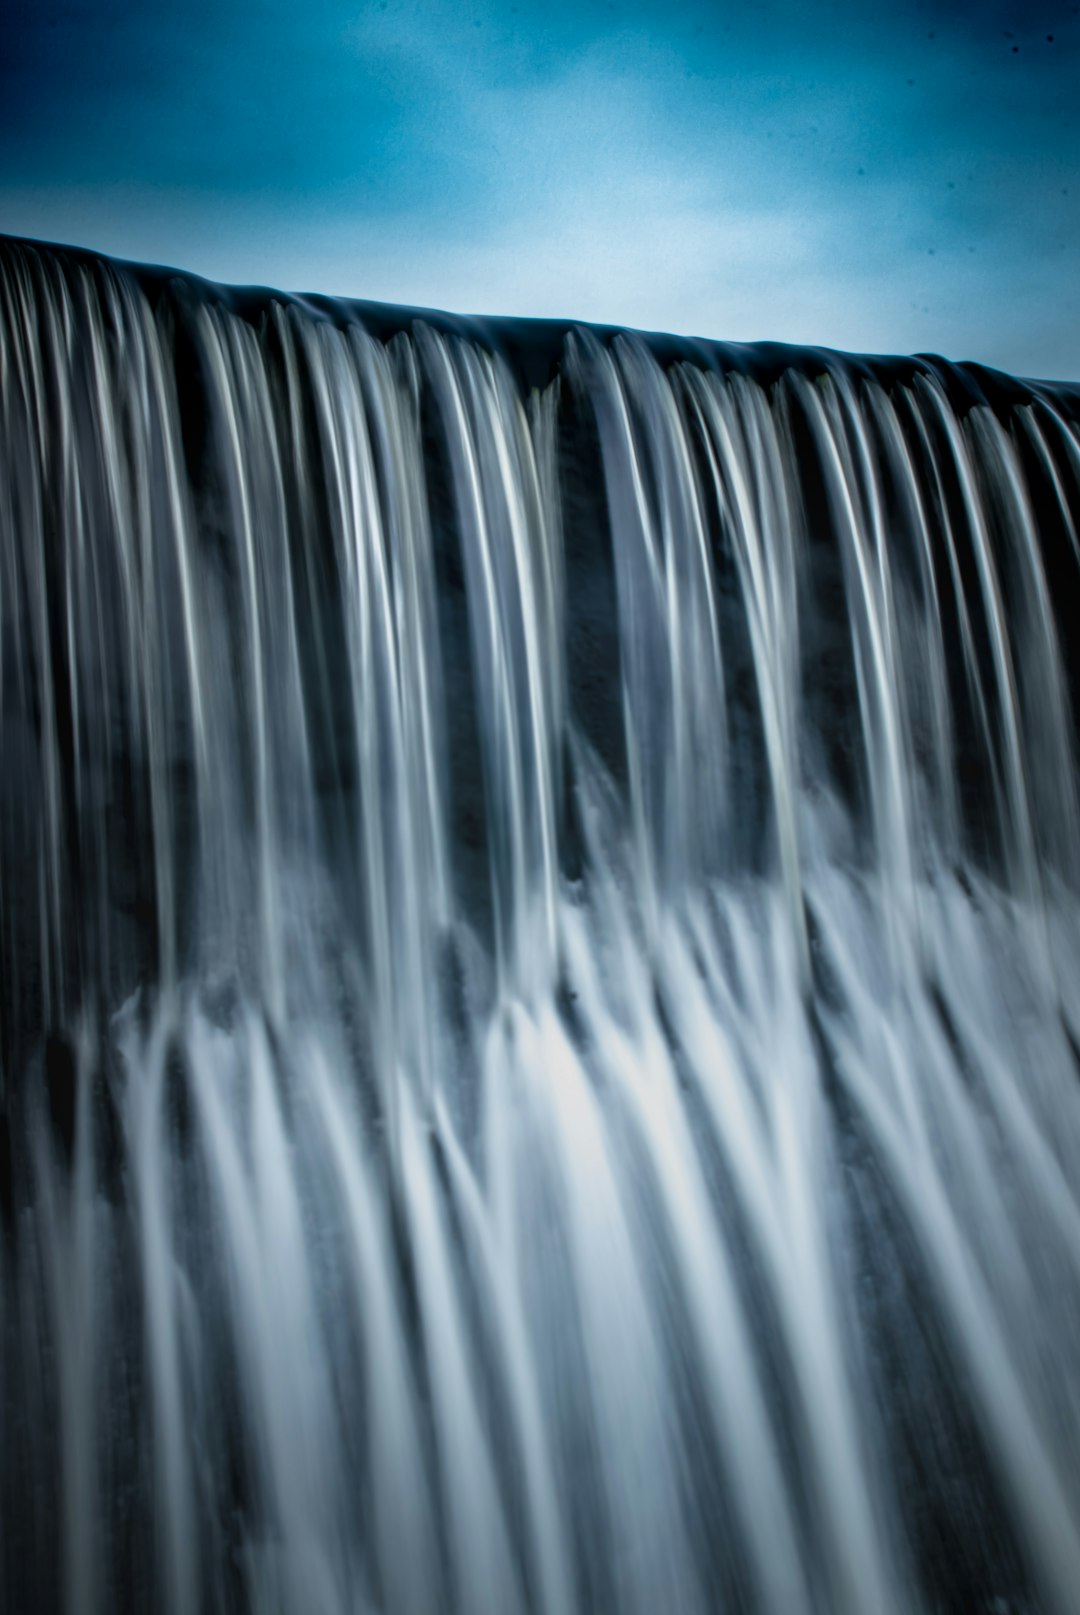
pixel 672 667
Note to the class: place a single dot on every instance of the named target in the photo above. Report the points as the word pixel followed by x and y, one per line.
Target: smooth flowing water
pixel 540 929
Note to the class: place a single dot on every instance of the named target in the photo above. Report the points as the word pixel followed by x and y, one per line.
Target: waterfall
pixel 540 946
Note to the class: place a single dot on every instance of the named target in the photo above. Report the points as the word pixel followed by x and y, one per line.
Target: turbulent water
pixel 540 930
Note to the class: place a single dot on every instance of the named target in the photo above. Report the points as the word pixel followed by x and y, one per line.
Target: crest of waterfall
pixel 540 947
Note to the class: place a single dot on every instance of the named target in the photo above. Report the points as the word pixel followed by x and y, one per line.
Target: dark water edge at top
pixel 533 348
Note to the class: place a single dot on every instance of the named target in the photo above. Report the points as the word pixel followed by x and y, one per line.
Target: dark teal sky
pixel 898 176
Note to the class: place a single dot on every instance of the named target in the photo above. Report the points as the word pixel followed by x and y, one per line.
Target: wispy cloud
pixel 906 179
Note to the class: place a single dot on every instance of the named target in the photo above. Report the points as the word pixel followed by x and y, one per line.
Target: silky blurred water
pixel 541 968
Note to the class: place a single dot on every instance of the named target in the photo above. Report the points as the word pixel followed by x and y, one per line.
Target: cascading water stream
pixel 540 931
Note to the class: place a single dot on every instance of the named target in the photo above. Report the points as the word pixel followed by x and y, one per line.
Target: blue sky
pixel 893 176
